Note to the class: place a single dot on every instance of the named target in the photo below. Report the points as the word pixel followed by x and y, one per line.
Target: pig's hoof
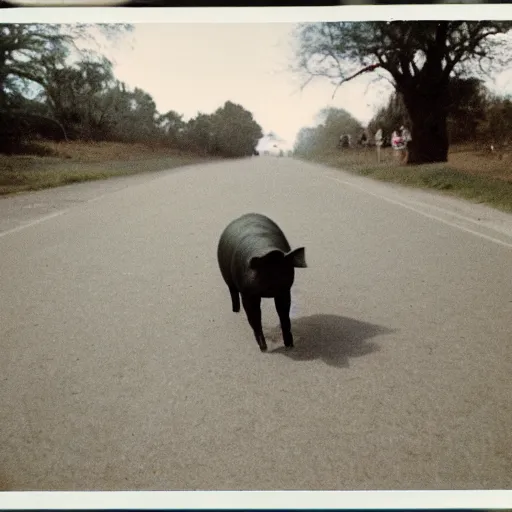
pixel 288 341
pixel 236 309
pixel 263 348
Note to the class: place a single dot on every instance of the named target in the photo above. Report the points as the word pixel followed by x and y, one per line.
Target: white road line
pixel 48 217
pixel 428 215
pixel 33 223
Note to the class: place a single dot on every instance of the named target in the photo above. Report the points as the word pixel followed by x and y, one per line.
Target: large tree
pixel 26 52
pixel 236 133
pixel 78 95
pixel 23 44
pixel 466 99
pixel 173 126
pixel 230 131
pixel 419 57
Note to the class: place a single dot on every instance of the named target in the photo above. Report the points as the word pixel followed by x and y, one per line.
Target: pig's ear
pixel 298 257
pixel 271 257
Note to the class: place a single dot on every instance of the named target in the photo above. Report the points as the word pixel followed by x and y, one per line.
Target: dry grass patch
pixel 72 162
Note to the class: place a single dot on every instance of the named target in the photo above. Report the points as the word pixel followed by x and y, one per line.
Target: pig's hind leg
pixel 252 306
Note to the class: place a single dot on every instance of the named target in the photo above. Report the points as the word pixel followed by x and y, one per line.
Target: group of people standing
pixel 400 142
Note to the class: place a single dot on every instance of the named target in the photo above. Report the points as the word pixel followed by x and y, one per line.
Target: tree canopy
pixel 35 58
pixel 325 136
pixel 418 57
pixel 235 131
pixel 49 87
pixel 467 108
pixel 230 131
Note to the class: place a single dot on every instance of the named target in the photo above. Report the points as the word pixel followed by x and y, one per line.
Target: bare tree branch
pixel 367 69
pixel 303 86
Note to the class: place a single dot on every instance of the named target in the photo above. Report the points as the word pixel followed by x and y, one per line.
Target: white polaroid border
pixel 247 500
pixel 255 14
pixel 262 500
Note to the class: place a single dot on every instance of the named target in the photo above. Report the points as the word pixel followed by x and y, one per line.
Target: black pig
pixel 256 262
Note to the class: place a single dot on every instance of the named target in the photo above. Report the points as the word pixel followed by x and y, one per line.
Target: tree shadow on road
pixel 331 338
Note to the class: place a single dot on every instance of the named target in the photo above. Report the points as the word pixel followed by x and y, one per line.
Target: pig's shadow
pixel 331 338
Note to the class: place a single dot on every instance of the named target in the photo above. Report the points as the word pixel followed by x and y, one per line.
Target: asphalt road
pixel 123 368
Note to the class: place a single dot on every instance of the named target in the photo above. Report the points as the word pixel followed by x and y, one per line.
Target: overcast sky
pixel 194 60
pixel 197 67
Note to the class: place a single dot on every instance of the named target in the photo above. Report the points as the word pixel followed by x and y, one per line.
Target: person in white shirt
pixel 378 142
pixel 406 138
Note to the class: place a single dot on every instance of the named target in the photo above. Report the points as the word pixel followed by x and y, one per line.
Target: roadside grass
pixel 56 164
pixel 471 174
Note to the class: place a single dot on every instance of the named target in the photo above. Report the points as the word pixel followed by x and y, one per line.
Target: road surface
pixel 123 367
